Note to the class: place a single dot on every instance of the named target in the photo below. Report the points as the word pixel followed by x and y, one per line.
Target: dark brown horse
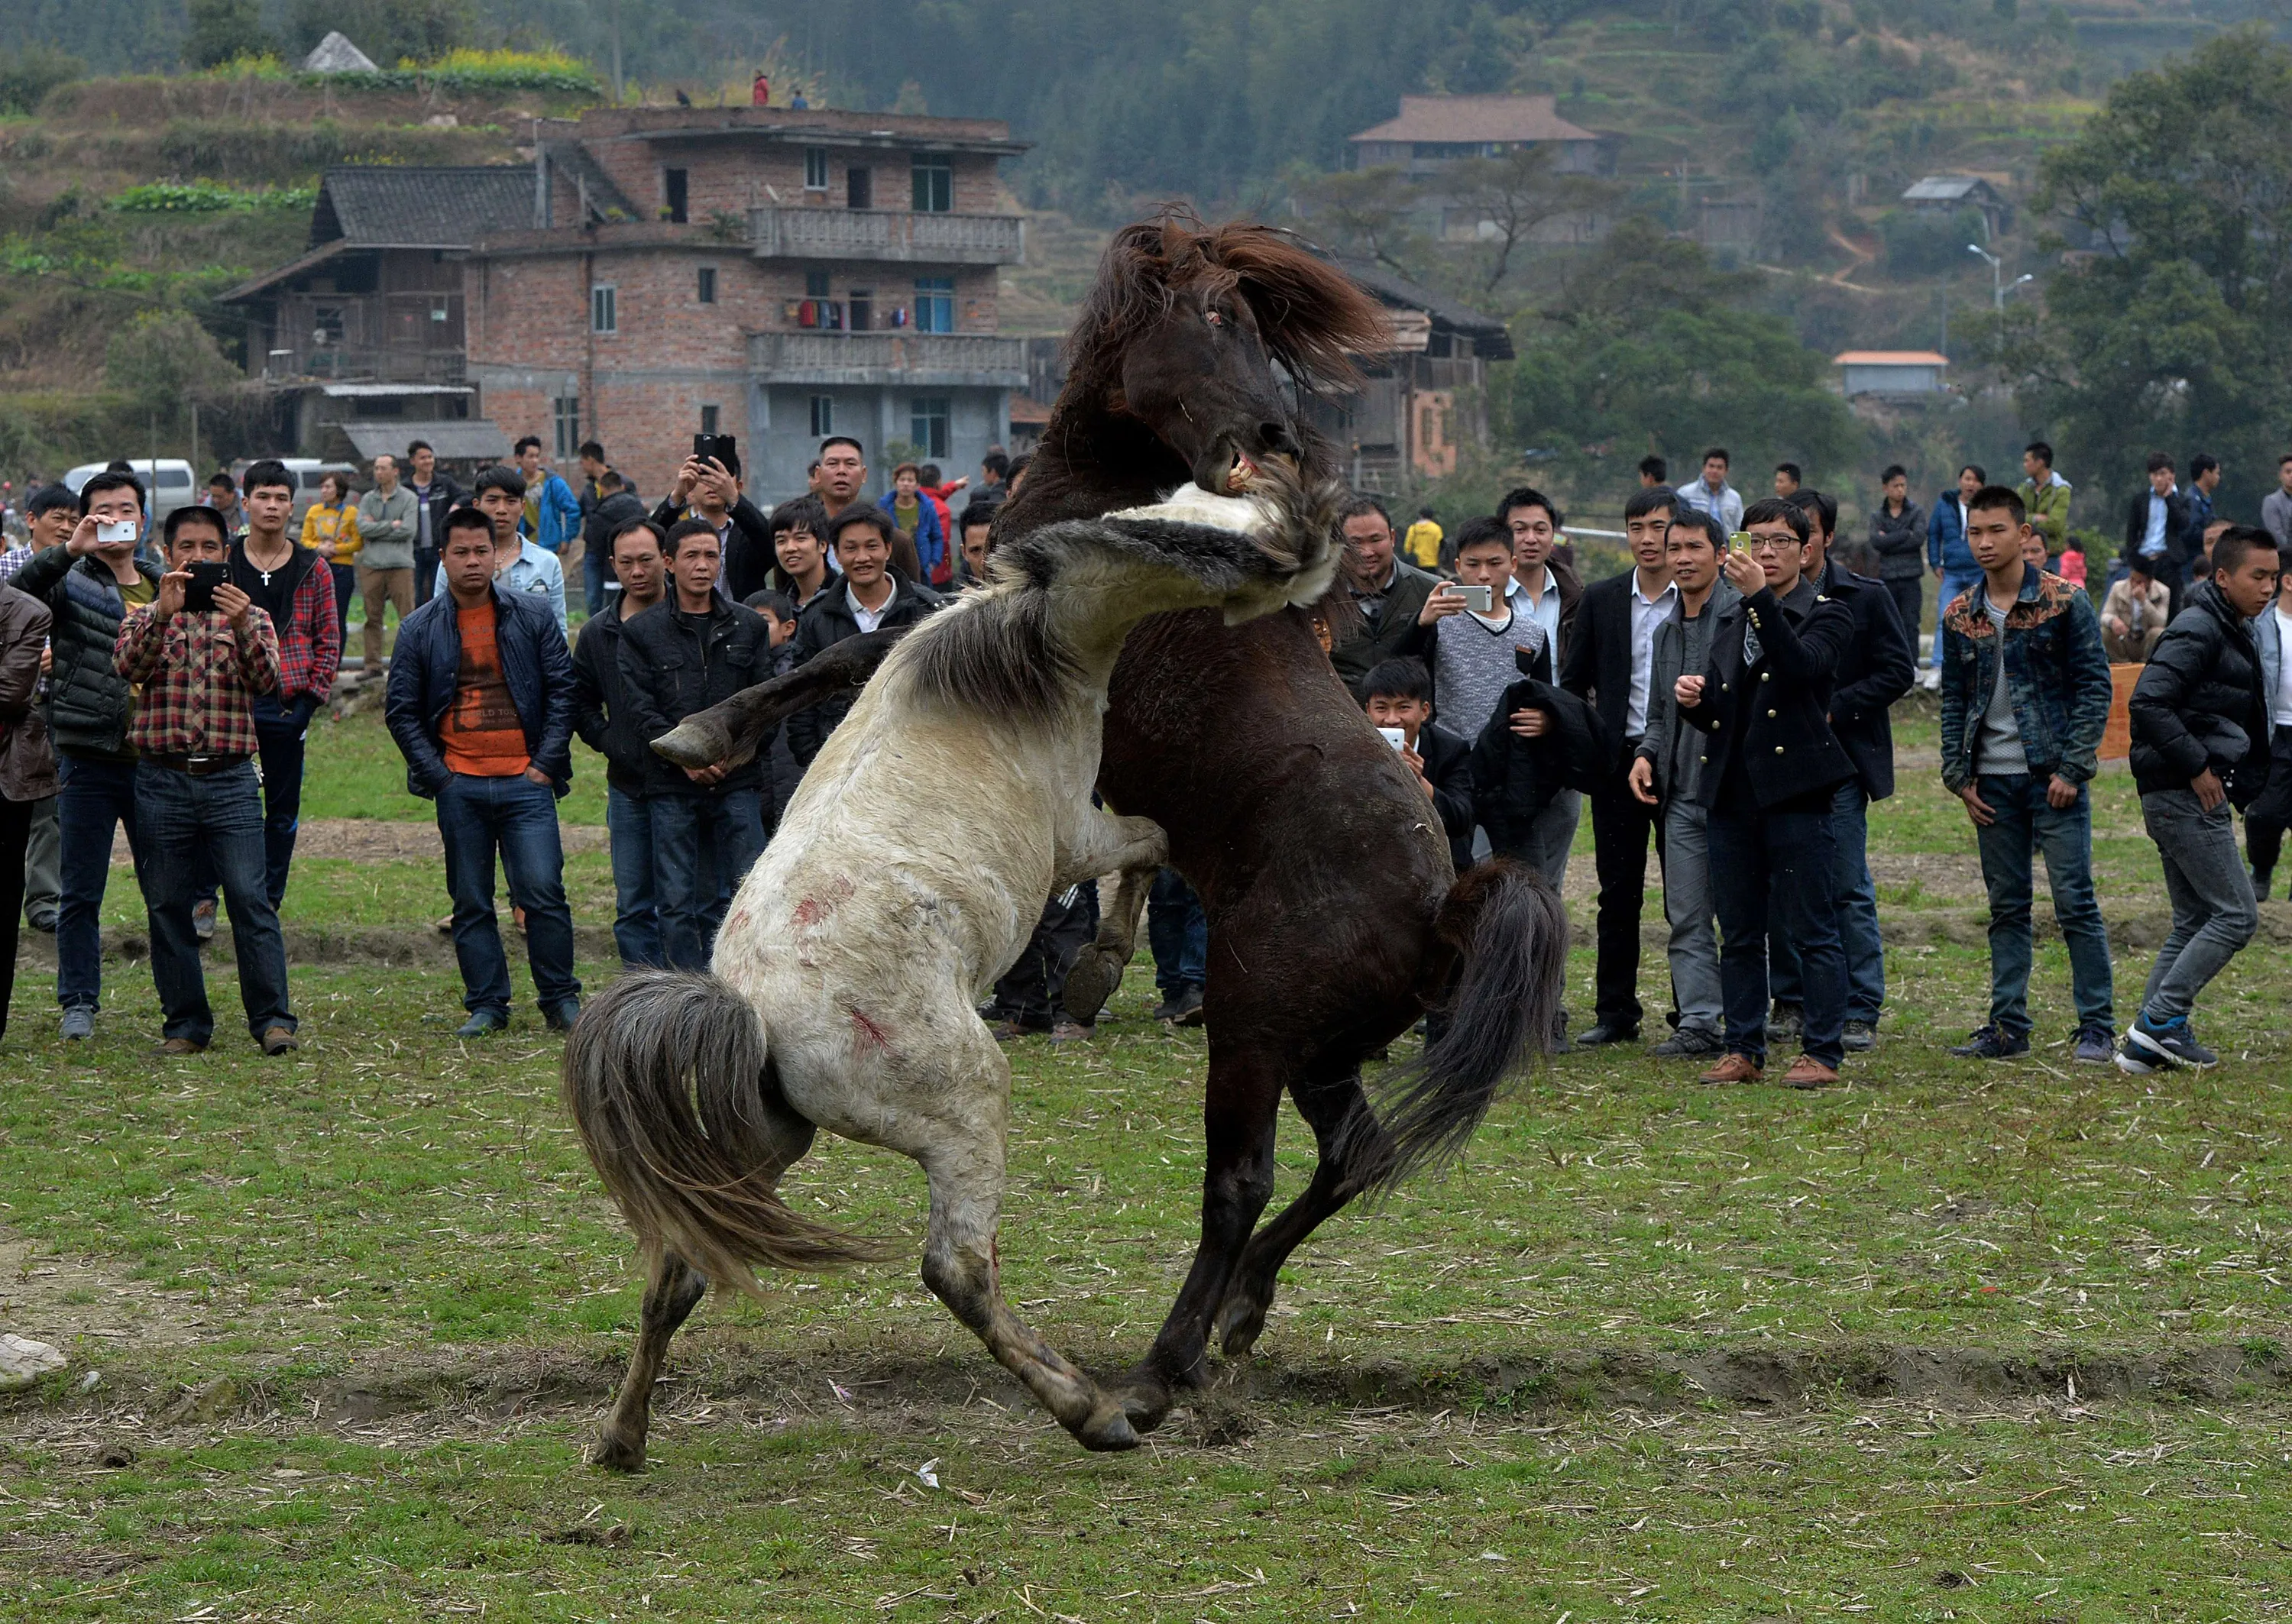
pixel 1335 917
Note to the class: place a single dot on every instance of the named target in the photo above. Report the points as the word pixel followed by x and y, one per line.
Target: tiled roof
pixel 1477 118
pixel 1889 358
pixel 1490 337
pixel 403 206
pixel 1946 188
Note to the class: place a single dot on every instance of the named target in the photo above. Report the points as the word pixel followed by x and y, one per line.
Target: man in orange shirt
pixel 480 703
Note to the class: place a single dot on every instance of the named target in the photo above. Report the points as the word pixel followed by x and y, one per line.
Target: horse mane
pixel 1312 317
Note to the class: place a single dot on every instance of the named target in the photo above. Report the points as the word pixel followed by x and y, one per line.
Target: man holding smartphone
pixel 201 655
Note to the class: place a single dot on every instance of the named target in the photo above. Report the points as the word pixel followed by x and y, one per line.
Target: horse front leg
pixel 672 1293
pixel 1096 974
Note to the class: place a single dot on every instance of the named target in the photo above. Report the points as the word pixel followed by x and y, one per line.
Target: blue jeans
pixel 1858 915
pixel 1777 867
pixel 1177 932
pixel 97 794
pixel 636 918
pixel 2025 823
pixel 1952 585
pixel 593 580
pixel 703 848
pixel 518 818
pixel 282 735
pixel 212 822
pixel 2214 914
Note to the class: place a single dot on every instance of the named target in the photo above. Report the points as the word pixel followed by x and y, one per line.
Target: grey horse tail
pixel 1511 930
pixel 664 1076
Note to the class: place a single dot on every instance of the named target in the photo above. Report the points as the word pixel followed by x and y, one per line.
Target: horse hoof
pixel 1145 1407
pixel 691 744
pixel 1093 977
pixel 615 1453
pixel 1107 1430
pixel 1239 1322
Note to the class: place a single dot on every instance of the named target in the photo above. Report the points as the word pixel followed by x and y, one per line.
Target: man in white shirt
pixel 520 566
pixel 2267 818
pixel 1711 494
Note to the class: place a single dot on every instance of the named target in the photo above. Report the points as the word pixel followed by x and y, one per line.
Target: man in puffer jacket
pixel 2200 745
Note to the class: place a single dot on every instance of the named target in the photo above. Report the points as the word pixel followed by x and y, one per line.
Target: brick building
pixel 772 274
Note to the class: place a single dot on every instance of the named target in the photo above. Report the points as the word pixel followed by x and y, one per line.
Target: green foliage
pixel 206 198
pixel 2176 333
pixel 224 31
pixel 389 31
pixel 1921 242
pixel 1652 347
pixel 164 361
pixel 483 70
pixel 27 74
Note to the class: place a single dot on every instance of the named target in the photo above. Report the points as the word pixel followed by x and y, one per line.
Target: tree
pixel 1515 192
pixel 1651 347
pixel 224 30
pixel 1364 213
pixel 2174 332
pixel 164 361
pixel 390 31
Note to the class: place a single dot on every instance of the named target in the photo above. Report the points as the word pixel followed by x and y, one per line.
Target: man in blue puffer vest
pixel 1949 557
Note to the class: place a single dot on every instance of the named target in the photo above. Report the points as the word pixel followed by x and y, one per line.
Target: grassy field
pixel 2001 1343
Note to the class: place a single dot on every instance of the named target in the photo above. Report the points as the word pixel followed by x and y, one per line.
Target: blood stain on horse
pixel 870 1032
pixel 811 910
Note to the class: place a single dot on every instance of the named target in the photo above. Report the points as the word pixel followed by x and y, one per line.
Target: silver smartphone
pixel 1481 598
pixel 1397 737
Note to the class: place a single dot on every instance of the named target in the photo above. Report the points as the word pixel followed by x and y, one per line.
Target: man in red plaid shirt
pixel 200 653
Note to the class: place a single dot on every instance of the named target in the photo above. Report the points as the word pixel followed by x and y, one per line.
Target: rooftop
pixel 1889 358
pixel 403 206
pixel 1490 337
pixel 822 127
pixel 1947 188
pixel 1477 118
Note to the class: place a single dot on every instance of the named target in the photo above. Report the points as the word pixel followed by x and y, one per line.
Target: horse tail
pixel 1510 930
pixel 666 1079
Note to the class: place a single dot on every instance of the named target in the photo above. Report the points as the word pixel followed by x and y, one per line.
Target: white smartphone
pixel 1481 598
pixel 1397 737
pixel 122 530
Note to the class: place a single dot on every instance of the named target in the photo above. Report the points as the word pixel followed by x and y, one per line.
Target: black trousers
pixel 1909 603
pixel 1032 990
pixel 2271 813
pixel 15 834
pixel 1622 826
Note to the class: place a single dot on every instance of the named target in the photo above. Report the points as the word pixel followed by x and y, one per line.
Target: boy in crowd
pixel 2200 716
pixel 1398 694
pixel 1387 591
pixel 978 527
pixel 480 704
pixel 606 720
pixel 1878 668
pixel 197 667
pixel 89 583
pixel 1609 664
pixel 521 567
pixel 1771 775
pixel 2045 497
pixel 1946 554
pixel 1898 539
pixel 688 652
pixel 2160 527
pixel 2025 696
pixel 435 495
pixel 800 566
pixel 1422 544
pixel 552 513
pixel 2266 819
pixel 871 595
pixel 1666 772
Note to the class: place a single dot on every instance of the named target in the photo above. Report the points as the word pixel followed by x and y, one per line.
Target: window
pixel 823 416
pixel 566 413
pixel 934 185
pixel 859 189
pixel 327 322
pixel 815 284
pixel 934 304
pixel 927 416
pixel 679 193
pixel 604 309
pixel 708 420
pixel 815 169
pixel 707 285
pixel 863 309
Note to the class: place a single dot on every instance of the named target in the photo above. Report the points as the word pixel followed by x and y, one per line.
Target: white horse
pixel 906 877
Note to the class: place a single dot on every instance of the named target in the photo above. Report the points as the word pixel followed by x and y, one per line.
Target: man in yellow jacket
pixel 1422 544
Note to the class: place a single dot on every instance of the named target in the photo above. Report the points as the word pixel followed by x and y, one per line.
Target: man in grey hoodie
pixel 387 522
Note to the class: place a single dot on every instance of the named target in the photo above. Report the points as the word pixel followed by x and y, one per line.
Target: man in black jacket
pixel 688 652
pixel 435 495
pixel 2162 529
pixel 603 717
pixel 711 492
pixel 612 510
pixel 89 583
pixel 871 595
pixel 1770 777
pixel 2200 721
pixel 1897 536
pixel 1608 663
pixel 1386 590
pixel 1876 670
pixel 1398 695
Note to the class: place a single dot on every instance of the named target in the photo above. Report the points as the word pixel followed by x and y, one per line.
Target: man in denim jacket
pixel 2025 695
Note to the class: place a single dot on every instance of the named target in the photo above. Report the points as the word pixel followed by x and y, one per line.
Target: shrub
pixel 206 198
pixel 28 75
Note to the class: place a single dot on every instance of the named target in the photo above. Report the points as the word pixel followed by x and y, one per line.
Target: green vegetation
pixel 206 198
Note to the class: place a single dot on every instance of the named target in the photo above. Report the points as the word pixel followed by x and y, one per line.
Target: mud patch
pixel 84 1310
pixel 375 839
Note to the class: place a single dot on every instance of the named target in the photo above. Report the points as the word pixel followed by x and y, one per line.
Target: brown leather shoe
pixel 279 1041
pixel 180 1045
pixel 1734 1068
pixel 1806 1071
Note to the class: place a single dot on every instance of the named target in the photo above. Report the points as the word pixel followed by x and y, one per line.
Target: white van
pixel 176 488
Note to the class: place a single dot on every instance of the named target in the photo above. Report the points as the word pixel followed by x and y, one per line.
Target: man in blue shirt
pixel 1711 494
pixel 2161 528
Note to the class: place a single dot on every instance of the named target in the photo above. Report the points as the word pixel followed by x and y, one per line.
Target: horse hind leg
pixel 671 1295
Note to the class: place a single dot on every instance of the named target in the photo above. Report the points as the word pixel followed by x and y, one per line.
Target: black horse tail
pixel 1510 930
pixel 666 1079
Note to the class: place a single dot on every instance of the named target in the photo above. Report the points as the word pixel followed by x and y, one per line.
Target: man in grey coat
pixel 1386 590
pixel 1667 767
pixel 387 522
pixel 1897 536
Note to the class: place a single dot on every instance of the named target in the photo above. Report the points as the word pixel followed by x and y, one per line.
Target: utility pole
pixel 616 52
pixel 1997 276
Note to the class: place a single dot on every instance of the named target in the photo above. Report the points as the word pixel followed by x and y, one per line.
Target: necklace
pixel 246 550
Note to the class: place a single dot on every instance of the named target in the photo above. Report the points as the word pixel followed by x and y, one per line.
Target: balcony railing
pixel 363 364
pixel 887 234
pixel 905 357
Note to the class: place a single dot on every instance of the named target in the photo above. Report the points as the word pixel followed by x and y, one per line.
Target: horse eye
pixel 1216 318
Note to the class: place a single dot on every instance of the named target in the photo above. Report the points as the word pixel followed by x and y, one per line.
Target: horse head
pixel 1186 326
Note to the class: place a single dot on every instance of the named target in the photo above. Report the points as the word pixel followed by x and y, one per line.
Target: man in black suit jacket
pixel 1608 663
pixel 1876 670
pixel 2160 526
pixel 1770 775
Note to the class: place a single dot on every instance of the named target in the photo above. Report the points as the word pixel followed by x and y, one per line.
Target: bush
pixel 28 75
pixel 479 70
pixel 206 198
pixel 1920 243
pixel 224 31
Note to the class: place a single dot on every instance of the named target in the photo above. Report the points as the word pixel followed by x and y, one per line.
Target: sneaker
pixel 203 919
pixel 1930 679
pixel 44 922
pixel 1859 1037
pixel 1990 1043
pixel 178 1046
pixel 1070 1031
pixel 2097 1045
pixel 1688 1043
pixel 1603 1034
pixel 1734 1068
pixel 482 1023
pixel 1786 1022
pixel 78 1022
pixel 1806 1071
pixel 279 1040
pixel 2163 1045
pixel 560 1018
pixel 1183 1008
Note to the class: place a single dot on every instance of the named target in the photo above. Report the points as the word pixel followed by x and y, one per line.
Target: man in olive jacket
pixel 1387 589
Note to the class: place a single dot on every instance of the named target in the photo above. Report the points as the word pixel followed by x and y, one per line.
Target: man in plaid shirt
pixel 197 805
